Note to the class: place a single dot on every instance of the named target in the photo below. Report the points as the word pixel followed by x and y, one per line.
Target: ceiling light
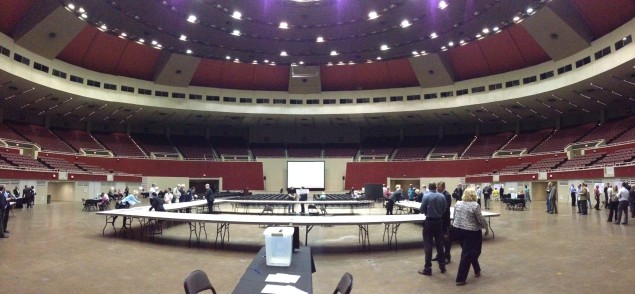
pixel 103 27
pixel 478 36
pixel 415 53
pixel 191 18
pixel 378 58
pixel 462 42
pixel 159 45
pixel 405 23
pixel 123 35
pixel 373 15
pixel 516 18
pixel 443 5
pixel 334 53
pixel 451 44
pixel 351 62
pixel 237 60
pixel 384 47
pixel 283 25
pixel 301 62
pixel 496 29
pixel 266 61
pixel 236 33
pixel 530 10
pixel 228 57
pixel 433 35
pixel 237 15
pixel 254 62
pixel 183 38
pixel 81 10
pixel 141 40
pixel 272 63
pixel 154 42
pixel 485 31
pixel 188 51
pixel 444 48
pixel 319 39
pixel 283 53
pixel 84 15
pixel 341 63
pixel 329 64
pixel 70 6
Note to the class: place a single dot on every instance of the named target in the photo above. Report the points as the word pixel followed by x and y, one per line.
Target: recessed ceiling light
pixel 329 64
pixel 301 62
pixel 351 62
pixel 530 10
pixel 341 63
pixel 272 63
pixel 415 53
pixel 191 18
pixel 405 23
pixel 123 35
pixel 378 58
pixel 70 6
pixel 478 35
pixel 384 47
pixel 444 48
pixel 236 33
pixel 283 53
pixel 236 60
pixel 183 38
pixel 373 15
pixel 496 29
pixel 84 15
pixel 154 42
pixel 319 39
pixel 443 5
pixel 283 25
pixel 103 27
pixel 423 52
pixel 254 62
pixel 451 44
pixel 433 35
pixel 237 15
pixel 485 31
pixel 141 40
pixel 188 51
pixel 516 18
pixel 266 61
pixel 81 10
pixel 228 57
pixel 334 53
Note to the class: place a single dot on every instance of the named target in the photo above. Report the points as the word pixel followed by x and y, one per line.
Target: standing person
pixel 502 191
pixel 548 192
pixel 16 192
pixel 596 193
pixel 458 193
pixel 584 196
pixel 631 200
pixel 607 188
pixel 304 195
pixel 487 194
pixel 291 197
pixel 553 195
pixel 394 197
pixel 614 202
pixel 168 196
pixel 468 223
pixel 447 242
pixel 433 206
pixel 623 206
pixel 479 193
pixel 527 196
pixel 209 196
pixel 573 192
pixel 411 193
pixel 4 203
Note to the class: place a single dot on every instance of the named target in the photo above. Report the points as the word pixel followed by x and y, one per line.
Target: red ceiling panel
pixel 337 77
pixel 468 62
pixel 402 74
pixel 208 74
pixel 531 51
pixel 501 53
pixel 237 76
pixel 372 76
pixel 271 78
pixel 603 16
pixel 104 53
pixel 10 13
pixel 138 61
pixel 75 51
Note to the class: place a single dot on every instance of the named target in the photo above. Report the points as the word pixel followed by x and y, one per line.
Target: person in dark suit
pixel 209 196
pixel 4 211
pixel 303 197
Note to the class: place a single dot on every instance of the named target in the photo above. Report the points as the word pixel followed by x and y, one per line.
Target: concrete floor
pixel 58 248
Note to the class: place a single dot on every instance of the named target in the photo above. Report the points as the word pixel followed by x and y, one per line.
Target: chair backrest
pixel 196 282
pixel 345 285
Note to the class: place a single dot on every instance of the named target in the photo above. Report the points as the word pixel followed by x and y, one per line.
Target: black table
pixel 253 280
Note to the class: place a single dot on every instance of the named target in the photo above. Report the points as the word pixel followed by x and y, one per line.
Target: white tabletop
pixel 324 202
pixel 417 206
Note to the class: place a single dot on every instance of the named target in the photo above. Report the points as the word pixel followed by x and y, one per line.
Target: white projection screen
pixel 307 174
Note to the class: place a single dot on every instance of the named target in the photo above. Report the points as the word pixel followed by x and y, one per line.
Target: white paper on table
pixel 282 278
pixel 276 289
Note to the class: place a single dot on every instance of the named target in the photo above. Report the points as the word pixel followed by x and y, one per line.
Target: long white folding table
pixel 351 203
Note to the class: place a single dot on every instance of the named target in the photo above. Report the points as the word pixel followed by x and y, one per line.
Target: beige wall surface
pixel 62 191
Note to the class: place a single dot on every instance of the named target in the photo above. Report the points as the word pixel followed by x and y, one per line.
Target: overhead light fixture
pixel 530 10
pixel 373 15
pixel 301 62
pixel 319 39
pixel 415 53
pixel 485 31
pixel 496 29
pixel 283 53
pixel 334 53
pixel 341 63
pixel 384 47
pixel 433 36
pixel 81 10
pixel 237 15
pixel 329 64
pixel 283 25
pixel 84 15
pixel 188 51
pixel 236 33
pixel 451 44
pixel 423 52
pixel 516 18
pixel 236 60
pixel 266 61
pixel 254 62
pixel 444 48
pixel 462 42
pixel 228 57
pixel 103 27
pixel 443 4
pixel 378 58
pixel 478 36
pixel 405 23
pixel 192 18
pixel 183 38
pixel 142 40
pixel 154 42
pixel 71 6
pixel 123 35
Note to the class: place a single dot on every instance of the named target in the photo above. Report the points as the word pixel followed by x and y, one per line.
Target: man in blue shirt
pixel 433 206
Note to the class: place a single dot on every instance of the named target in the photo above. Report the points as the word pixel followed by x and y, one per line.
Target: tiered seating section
pixel 528 140
pixel 154 143
pixel 486 145
pixel 415 147
pixel 381 146
pixel 60 164
pixel 78 139
pixel 194 147
pixel 41 136
pixel 304 150
pixel 582 161
pixel 91 168
pixel 514 168
pixel 626 136
pixel 340 150
pixel 452 144
pixel 610 130
pixel 8 133
pixel 620 156
pixel 546 164
pixel 268 150
pixel 21 161
pixel 562 137
pixel 230 146
pixel 119 143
